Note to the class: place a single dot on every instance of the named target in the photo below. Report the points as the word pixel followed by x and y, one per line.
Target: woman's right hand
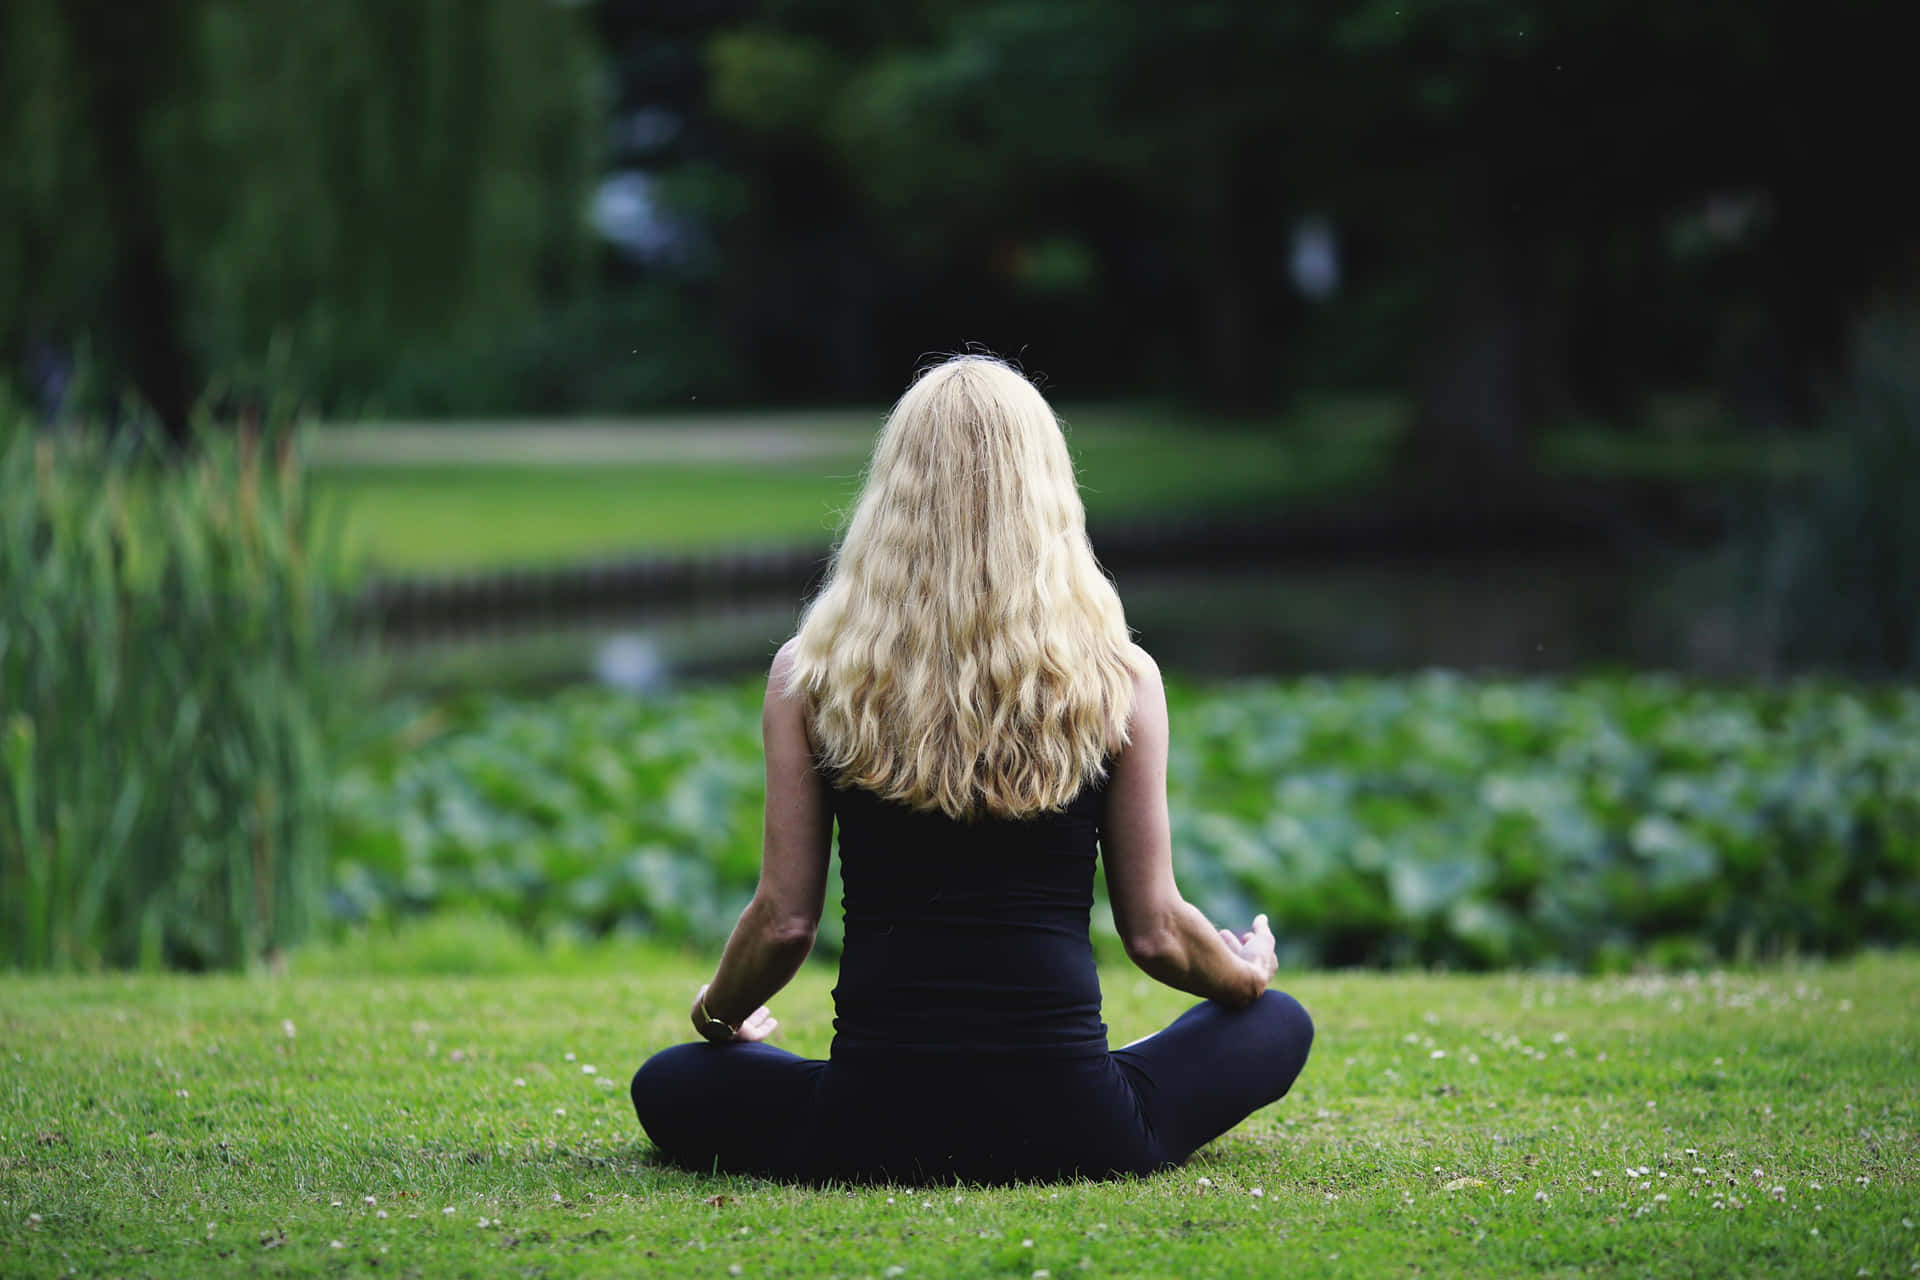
pixel 1255 947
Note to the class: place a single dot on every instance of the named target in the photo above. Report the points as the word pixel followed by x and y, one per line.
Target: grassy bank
pixel 719 482
pixel 1718 1124
pixel 476 495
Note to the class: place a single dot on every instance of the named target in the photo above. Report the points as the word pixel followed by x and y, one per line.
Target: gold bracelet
pixel 711 1021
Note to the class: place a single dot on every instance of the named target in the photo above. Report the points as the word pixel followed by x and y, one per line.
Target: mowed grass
pixel 1723 1124
pixel 455 515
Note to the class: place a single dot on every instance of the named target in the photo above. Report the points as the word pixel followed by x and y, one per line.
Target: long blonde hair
pixel 967 653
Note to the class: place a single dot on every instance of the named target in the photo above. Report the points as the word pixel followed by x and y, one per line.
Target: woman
pixel 963 700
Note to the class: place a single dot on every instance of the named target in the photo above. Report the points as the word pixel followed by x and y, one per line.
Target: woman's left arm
pixel 775 933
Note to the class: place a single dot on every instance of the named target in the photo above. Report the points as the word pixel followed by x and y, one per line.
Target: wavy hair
pixel 966 653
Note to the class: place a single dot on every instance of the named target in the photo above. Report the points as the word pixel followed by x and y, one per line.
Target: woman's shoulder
pixel 1149 696
pixel 783 661
pixel 783 712
pixel 1145 669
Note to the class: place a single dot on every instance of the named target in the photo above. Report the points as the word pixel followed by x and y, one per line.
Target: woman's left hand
pixel 757 1025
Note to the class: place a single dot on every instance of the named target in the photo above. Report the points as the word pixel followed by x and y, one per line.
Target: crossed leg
pixel 753 1108
pixel 1212 1067
pixel 727 1108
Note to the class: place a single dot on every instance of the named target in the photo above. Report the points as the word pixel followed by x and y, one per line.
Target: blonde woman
pixel 963 702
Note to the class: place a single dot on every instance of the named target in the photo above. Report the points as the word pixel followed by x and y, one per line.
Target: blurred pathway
pixel 758 437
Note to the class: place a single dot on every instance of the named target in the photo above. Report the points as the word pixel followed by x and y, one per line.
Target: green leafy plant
pixel 169 698
pixel 1425 820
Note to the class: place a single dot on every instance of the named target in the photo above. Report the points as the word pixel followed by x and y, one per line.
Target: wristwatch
pixel 709 1024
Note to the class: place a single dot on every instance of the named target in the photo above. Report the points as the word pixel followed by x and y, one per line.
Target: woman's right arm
pixel 1164 934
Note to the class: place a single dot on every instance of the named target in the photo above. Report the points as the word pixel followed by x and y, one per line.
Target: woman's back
pixel 963 697
pixel 967 937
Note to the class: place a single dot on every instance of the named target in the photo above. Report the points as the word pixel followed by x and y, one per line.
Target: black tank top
pixel 967 937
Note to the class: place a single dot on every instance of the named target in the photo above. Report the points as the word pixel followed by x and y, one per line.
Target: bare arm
pixel 1164 934
pixel 776 930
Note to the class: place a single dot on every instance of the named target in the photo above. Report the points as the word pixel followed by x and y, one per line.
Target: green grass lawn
pixel 1727 1124
pixel 438 514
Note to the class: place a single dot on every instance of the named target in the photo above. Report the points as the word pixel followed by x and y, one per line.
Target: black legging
pixel 754 1108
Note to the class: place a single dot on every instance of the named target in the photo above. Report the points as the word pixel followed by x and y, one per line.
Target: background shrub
pixel 169 699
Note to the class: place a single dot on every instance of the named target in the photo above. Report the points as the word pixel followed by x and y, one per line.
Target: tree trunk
pixel 1493 369
pixel 132 55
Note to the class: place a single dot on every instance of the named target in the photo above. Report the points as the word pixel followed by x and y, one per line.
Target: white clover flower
pixel 588 1069
pixel 1539 1197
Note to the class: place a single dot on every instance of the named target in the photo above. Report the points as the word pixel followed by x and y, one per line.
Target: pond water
pixel 1512 612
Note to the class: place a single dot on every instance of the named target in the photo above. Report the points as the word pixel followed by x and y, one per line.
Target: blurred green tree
pixel 1523 178
pixel 281 190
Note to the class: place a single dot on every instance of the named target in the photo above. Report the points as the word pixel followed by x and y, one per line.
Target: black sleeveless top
pixel 967 937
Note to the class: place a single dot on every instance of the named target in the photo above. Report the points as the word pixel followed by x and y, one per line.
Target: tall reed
pixel 172 687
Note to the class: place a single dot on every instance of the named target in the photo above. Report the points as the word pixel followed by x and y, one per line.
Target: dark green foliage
pixel 1426 820
pixel 168 701
pixel 284 190
pixel 598 354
